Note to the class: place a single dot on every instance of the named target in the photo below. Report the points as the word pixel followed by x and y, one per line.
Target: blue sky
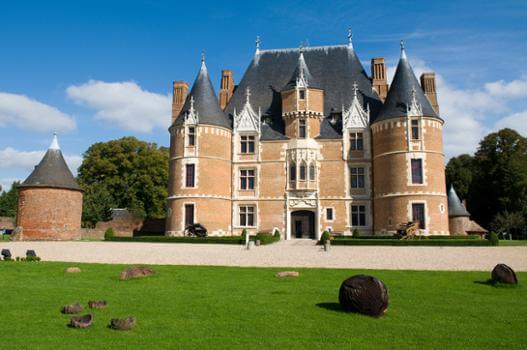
pixel 100 70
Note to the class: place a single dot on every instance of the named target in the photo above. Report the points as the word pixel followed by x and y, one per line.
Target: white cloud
pixel 470 114
pixel 125 104
pixel 25 161
pixel 24 112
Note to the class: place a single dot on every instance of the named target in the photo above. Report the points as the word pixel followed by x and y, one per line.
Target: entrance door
pixel 418 214
pixel 303 224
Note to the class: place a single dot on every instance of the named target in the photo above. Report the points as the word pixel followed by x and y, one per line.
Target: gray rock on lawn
pixel 284 274
pixel 123 324
pixel 97 304
pixel 73 269
pixel 504 274
pixel 136 272
pixel 364 294
pixel 72 309
pixel 81 321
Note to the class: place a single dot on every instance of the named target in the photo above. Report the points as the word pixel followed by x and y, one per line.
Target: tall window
pixel 312 172
pixel 357 177
pixel 358 215
pixel 247 179
pixel 190 175
pixel 418 214
pixel 415 129
pixel 329 214
pixel 189 214
pixel 191 136
pixel 247 144
pixel 302 129
pixel 356 140
pixel 302 94
pixel 303 171
pixel 246 215
pixel 292 172
pixel 417 171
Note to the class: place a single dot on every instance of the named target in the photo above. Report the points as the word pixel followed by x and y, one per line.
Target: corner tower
pixel 408 159
pixel 199 189
pixel 50 200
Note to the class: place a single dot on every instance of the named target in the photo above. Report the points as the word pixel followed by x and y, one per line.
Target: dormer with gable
pixel 246 131
pixel 355 129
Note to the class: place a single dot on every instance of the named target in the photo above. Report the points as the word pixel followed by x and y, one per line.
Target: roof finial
pixel 247 94
pixel 350 38
pixel 257 44
pixel 403 52
pixel 54 142
pixel 301 48
pixel 355 89
pixel 203 56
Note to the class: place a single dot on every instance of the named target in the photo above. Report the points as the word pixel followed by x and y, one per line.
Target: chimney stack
pixel 428 84
pixel 378 77
pixel 226 87
pixel 178 98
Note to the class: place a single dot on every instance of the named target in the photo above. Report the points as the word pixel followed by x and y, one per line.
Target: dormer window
pixel 247 144
pixel 302 129
pixel 191 136
pixel 415 130
pixel 302 94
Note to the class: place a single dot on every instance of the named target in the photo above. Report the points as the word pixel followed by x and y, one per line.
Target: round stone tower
pixel 50 200
pixel 408 159
pixel 199 189
pixel 458 216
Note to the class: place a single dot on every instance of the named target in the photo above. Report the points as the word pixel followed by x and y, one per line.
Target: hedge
pixel 396 237
pixel 166 239
pixel 265 238
pixel 412 242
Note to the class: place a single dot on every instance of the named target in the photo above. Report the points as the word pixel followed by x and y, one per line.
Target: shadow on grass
pixel 492 283
pixel 331 307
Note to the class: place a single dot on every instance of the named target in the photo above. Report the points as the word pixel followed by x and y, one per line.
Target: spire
pixel 54 143
pixel 455 206
pixel 257 44
pixel 301 76
pixel 52 171
pixel 247 120
pixel 203 102
pixel 355 116
pixel 405 94
pixel 350 39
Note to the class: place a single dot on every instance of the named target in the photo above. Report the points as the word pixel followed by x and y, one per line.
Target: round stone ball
pixel 364 294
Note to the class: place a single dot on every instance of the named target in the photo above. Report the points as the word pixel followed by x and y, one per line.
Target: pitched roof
pixel 334 68
pixel 400 95
pixel 205 102
pixel 52 171
pixel 455 206
pixel 301 74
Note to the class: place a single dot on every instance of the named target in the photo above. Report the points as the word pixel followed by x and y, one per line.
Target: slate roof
pixel 334 68
pixel 455 206
pixel 301 70
pixel 205 102
pixel 400 93
pixel 52 171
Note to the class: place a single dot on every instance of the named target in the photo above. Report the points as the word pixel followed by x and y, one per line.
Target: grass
pixel 512 243
pixel 243 308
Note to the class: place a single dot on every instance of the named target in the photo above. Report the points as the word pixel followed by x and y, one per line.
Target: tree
pixel 124 173
pixel 9 200
pixel 459 172
pixel 499 182
pixel 512 223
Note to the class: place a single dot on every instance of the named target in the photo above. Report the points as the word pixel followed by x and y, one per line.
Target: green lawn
pixel 216 307
pixel 512 243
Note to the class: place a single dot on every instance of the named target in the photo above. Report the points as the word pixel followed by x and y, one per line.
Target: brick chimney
pixel 178 98
pixel 428 84
pixel 226 87
pixel 378 77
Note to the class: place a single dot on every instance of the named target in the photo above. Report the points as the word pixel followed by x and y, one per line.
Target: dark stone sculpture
pixel 31 253
pixel 97 304
pixel 6 253
pixel 136 272
pixel 81 321
pixel 364 294
pixel 504 274
pixel 72 309
pixel 123 324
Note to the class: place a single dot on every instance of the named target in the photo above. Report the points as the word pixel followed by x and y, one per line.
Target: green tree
pixel 124 173
pixel 459 172
pixel 499 182
pixel 9 200
pixel 512 223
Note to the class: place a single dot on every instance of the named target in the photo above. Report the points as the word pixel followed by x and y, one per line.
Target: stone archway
pixel 303 224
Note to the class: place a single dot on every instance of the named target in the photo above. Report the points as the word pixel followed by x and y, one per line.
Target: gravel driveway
pixel 294 253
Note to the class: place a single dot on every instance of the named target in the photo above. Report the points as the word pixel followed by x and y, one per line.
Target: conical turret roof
pixel 455 206
pixel 205 102
pixel 301 76
pixel 402 91
pixel 52 171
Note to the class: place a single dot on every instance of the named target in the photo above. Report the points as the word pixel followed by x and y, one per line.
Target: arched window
pixel 303 171
pixel 292 172
pixel 312 172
